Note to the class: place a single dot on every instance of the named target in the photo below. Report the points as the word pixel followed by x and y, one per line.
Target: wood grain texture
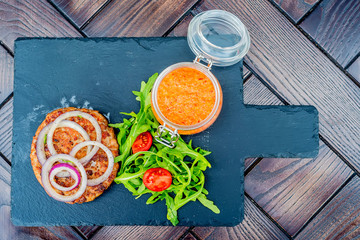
pixel 254 226
pixel 189 236
pixel 9 232
pixel 340 219
pixel 6 118
pixel 88 231
pixel 249 162
pixel 6 74
pixel 137 18
pixel 295 8
pixel 254 94
pixel 291 190
pixel 334 24
pixel 79 11
pixel 246 73
pixel 31 18
pixel 181 29
pixel 354 69
pixel 140 232
pixel 300 73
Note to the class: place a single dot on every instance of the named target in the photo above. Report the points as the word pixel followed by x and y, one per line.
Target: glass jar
pixel 217 38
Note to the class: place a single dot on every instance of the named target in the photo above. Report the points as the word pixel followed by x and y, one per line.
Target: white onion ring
pixel 70 170
pixel 63 116
pixel 102 178
pixel 46 183
pixel 40 145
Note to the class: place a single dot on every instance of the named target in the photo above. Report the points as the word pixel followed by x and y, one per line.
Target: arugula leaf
pixel 185 163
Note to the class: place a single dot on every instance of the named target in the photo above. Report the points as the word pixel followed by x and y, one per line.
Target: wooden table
pixel 302 52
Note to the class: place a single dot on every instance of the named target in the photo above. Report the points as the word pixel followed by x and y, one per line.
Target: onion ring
pixel 47 185
pixel 102 178
pixel 70 170
pixel 40 145
pixel 63 116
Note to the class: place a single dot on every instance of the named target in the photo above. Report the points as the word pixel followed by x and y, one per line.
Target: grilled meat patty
pixel 66 138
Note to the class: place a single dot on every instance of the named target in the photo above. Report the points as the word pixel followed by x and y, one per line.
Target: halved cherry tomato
pixel 157 179
pixel 142 142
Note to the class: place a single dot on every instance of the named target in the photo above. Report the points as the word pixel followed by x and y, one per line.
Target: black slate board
pixel 102 73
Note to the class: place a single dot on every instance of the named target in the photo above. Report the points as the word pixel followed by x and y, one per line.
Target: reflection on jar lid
pixel 186 96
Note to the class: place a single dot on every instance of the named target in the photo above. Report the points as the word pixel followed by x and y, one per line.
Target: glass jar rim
pixel 200 68
pixel 234 21
pixel 209 51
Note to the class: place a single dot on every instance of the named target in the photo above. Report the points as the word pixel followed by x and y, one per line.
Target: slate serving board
pixel 101 74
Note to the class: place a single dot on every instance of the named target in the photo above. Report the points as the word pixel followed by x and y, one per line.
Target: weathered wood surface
pixel 340 219
pixel 302 75
pixel 79 11
pixel 334 24
pixel 9 232
pixel 181 29
pixel 291 190
pixel 31 18
pixel 295 9
pixel 140 232
pixel 89 231
pixel 137 18
pixel 6 117
pixel 189 236
pixel 6 74
pixel 286 60
pixel 254 226
pixel 354 69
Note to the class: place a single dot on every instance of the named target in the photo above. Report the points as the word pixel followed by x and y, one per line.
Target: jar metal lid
pixel 218 37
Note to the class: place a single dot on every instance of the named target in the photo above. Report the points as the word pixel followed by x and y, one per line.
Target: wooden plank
pixel 31 18
pixel 296 9
pixel 181 29
pixel 253 88
pixel 189 236
pixel 291 65
pixel 354 69
pixel 138 18
pixel 88 231
pixel 246 73
pixel 340 219
pixel 79 11
pixel 9 231
pixel 334 24
pixel 291 190
pixel 254 226
pixel 140 232
pixel 256 93
pixel 6 74
pixel 6 118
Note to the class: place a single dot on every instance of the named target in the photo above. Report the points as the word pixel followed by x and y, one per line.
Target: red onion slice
pixel 96 181
pixel 68 169
pixel 40 143
pixel 45 172
pixel 63 116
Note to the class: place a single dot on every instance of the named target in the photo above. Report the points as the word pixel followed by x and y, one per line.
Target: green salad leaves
pixel 185 163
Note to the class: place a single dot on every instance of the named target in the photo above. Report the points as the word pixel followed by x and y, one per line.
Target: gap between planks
pixel 313 41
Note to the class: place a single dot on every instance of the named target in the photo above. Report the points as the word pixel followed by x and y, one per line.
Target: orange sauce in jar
pixel 186 96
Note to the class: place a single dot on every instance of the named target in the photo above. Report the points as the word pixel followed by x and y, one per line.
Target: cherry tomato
pixel 157 179
pixel 142 142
